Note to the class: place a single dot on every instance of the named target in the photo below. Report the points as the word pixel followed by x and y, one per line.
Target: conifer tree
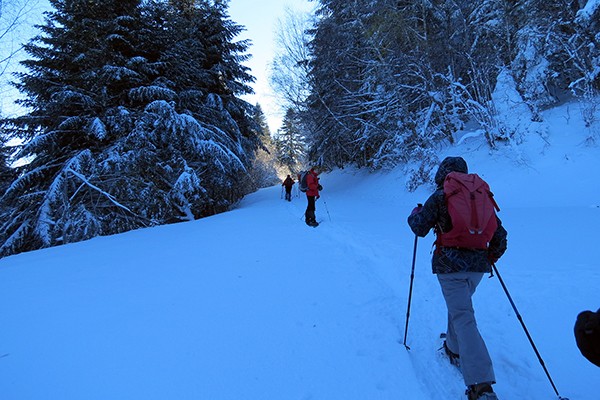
pixel 263 172
pixel 6 172
pixel 290 142
pixel 135 120
pixel 203 139
pixel 77 71
pixel 336 69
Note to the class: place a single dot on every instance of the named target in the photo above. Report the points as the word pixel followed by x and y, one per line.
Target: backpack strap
pixel 493 201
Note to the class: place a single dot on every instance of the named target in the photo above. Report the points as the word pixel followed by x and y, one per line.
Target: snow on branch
pixel 151 93
pixel 96 188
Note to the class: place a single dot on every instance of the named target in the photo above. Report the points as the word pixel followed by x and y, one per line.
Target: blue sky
pixel 261 17
pixel 30 14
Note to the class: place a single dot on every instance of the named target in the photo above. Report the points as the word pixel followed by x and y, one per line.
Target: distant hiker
pixel 459 268
pixel 288 183
pixel 587 335
pixel 312 194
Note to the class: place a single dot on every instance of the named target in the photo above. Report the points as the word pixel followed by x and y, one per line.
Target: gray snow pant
pixel 463 336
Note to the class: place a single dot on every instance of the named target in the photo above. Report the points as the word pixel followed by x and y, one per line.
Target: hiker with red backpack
pixel 470 238
pixel 312 194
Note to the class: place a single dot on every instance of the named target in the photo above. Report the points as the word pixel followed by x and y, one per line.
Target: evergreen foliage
pixel 6 173
pixel 291 147
pixel 263 172
pixel 135 120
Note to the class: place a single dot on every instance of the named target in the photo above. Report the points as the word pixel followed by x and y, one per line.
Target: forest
pixel 135 115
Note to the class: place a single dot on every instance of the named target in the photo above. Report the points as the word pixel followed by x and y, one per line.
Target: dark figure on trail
pixel 312 194
pixel 288 183
pixel 460 261
pixel 587 335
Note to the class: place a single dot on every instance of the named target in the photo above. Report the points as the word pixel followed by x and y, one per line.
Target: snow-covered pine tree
pixel 375 97
pixel 335 70
pixel 77 74
pixel 134 121
pixel 290 142
pixel 192 152
pixel 406 111
pixel 6 173
pixel 263 172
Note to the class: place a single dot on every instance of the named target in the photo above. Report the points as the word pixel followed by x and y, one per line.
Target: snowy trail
pixel 359 309
pixel 370 247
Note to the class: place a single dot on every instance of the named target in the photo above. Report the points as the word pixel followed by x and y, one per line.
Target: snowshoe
pixel 312 223
pixel 452 357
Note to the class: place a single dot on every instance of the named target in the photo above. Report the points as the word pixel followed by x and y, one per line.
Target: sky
pixel 260 19
pixel 253 304
pixel 28 13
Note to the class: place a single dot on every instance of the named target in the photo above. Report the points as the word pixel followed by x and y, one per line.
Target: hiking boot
pixel 311 221
pixel 453 357
pixel 481 391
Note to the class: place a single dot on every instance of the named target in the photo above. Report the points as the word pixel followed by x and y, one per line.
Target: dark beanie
pixel 450 164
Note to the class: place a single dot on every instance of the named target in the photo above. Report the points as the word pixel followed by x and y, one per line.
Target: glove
pixel 587 335
pixel 492 258
pixel 318 197
pixel 589 321
pixel 416 209
pixel 320 187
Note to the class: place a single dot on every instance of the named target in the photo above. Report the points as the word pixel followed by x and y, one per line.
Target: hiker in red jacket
pixel 459 269
pixel 288 183
pixel 312 194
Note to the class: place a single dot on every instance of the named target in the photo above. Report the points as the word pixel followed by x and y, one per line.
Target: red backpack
pixel 472 211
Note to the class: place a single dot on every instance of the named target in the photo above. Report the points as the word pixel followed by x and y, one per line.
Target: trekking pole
pixel 537 353
pixel 327 209
pixel 412 278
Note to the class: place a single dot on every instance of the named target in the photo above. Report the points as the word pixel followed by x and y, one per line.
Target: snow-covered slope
pixel 253 304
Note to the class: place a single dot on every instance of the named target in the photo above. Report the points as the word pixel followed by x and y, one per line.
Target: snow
pixel 590 8
pixel 254 304
pixel 512 112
